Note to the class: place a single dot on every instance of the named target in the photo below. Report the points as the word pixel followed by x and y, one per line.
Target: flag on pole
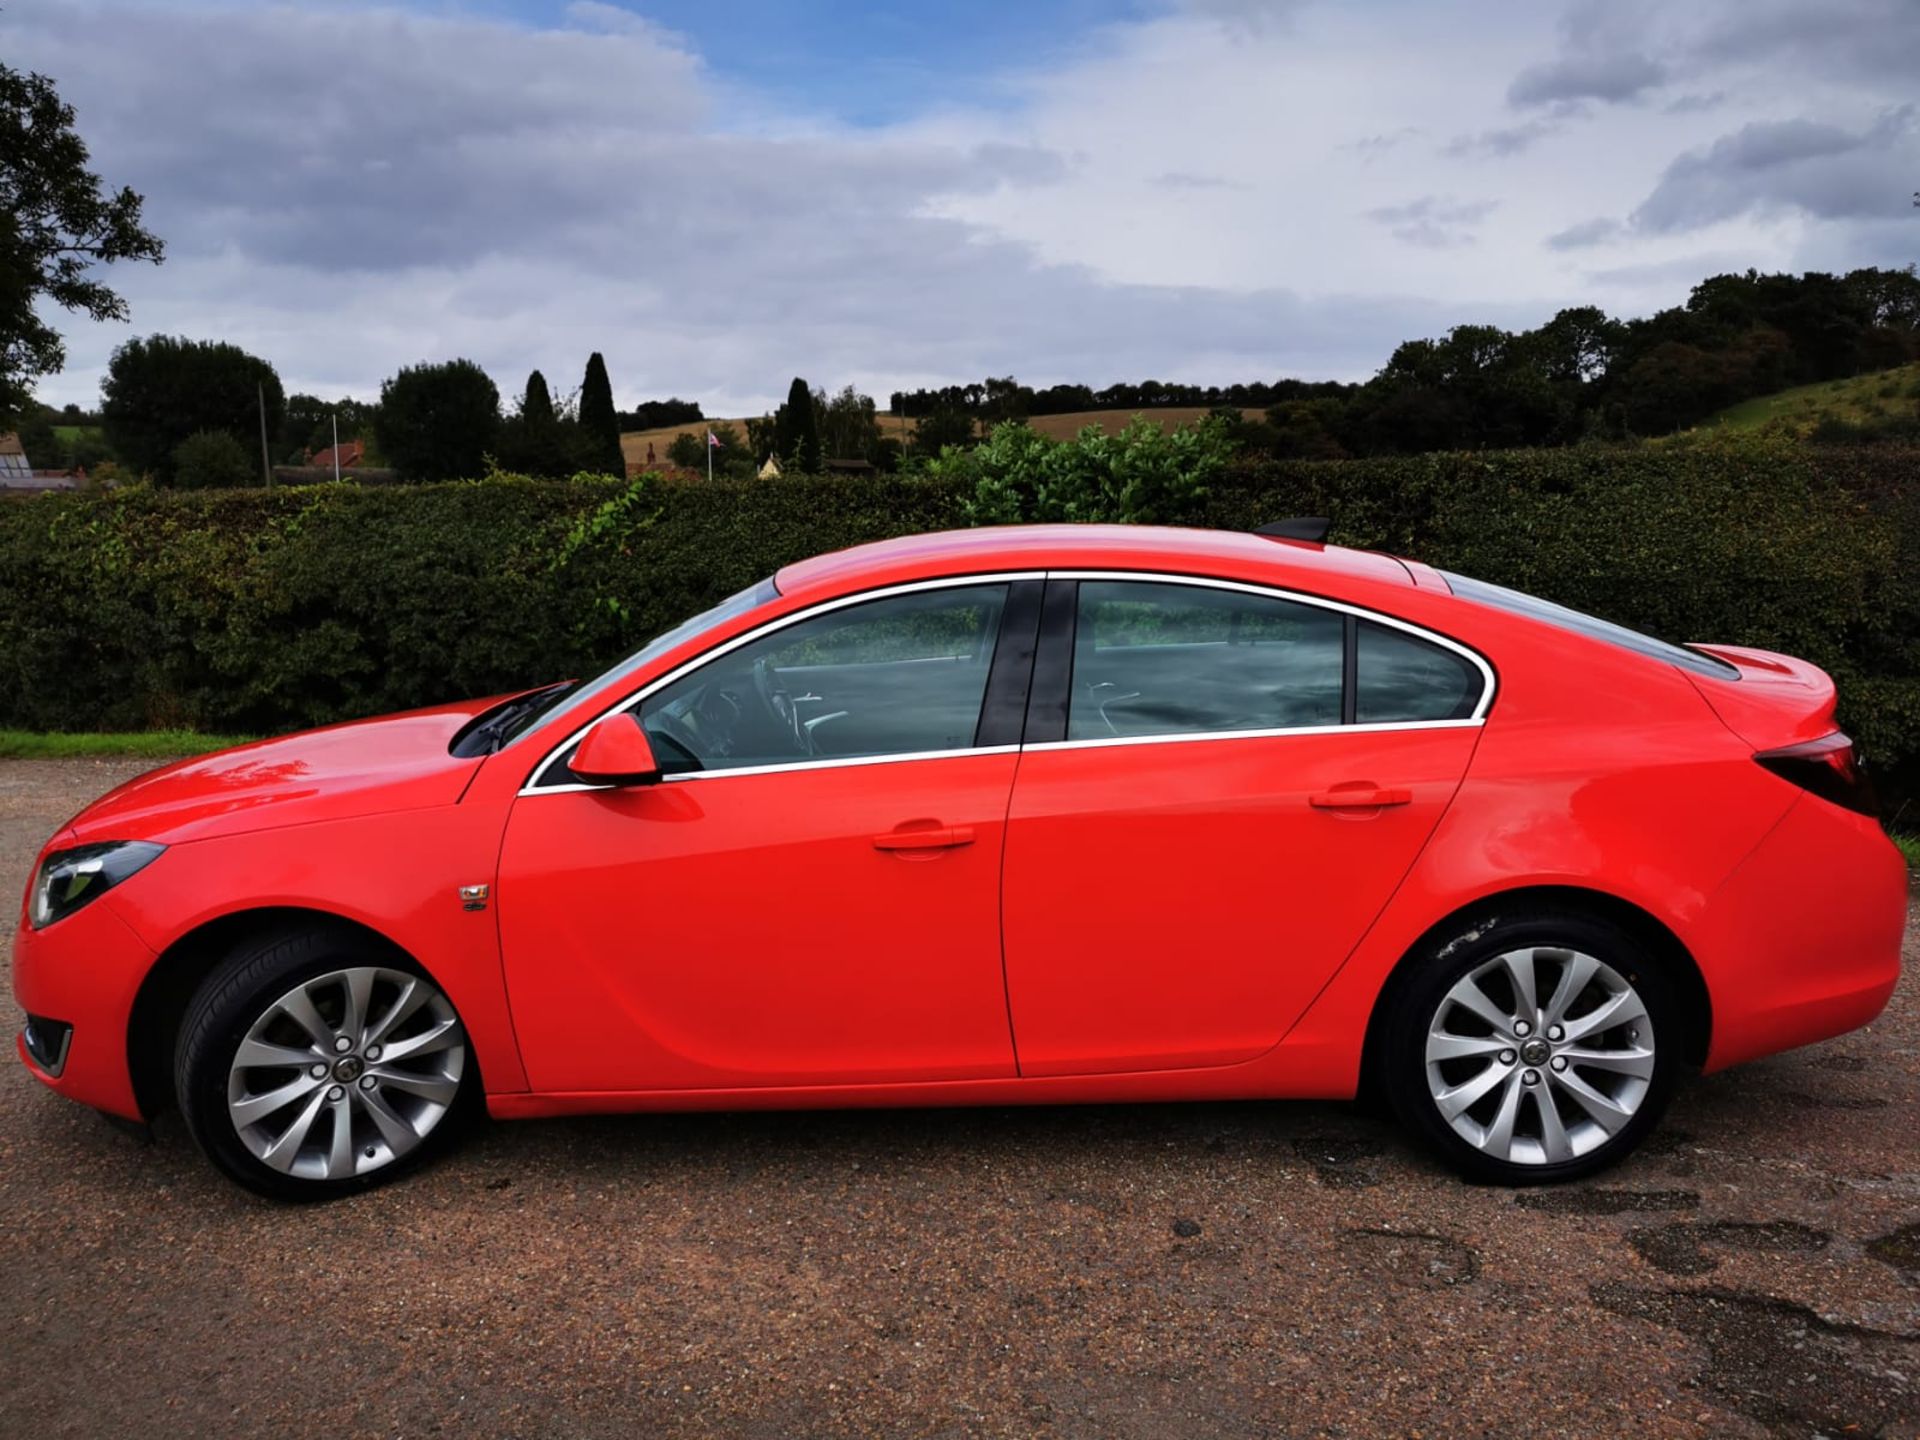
pixel 713 441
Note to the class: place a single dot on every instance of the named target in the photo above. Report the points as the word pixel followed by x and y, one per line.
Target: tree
pixel 306 424
pixel 656 414
pixel 600 420
pixel 849 429
pixel 37 437
pixel 208 459
pixel 536 406
pixel 54 224
pixel 688 450
pixel 796 429
pixel 541 438
pixel 944 426
pixel 438 422
pixel 161 389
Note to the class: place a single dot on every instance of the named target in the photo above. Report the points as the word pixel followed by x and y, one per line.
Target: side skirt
pixel 1282 1074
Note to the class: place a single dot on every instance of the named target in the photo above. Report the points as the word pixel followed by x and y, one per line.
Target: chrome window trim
pixel 1190 736
pixel 947 582
pixel 837 763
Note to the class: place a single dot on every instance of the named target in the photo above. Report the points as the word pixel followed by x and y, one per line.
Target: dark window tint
pixel 1155 659
pixel 1399 677
pixel 1590 626
pixel 885 677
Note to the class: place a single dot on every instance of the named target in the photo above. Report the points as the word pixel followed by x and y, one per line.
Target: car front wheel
pixel 316 1064
pixel 1534 1048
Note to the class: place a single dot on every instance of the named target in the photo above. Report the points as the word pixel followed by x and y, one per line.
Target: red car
pixel 1043 815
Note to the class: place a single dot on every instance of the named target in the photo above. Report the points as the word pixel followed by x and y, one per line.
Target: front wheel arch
pixel 1677 962
pixel 160 1006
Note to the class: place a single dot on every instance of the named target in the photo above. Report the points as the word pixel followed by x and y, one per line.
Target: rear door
pixel 1222 787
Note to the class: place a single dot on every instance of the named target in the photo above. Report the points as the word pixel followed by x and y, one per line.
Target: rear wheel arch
pixel 1676 961
pixel 160 1006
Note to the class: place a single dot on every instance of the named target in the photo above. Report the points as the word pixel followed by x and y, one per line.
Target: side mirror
pixel 615 752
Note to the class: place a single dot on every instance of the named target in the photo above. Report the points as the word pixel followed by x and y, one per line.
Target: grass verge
pixel 1909 847
pixel 36 745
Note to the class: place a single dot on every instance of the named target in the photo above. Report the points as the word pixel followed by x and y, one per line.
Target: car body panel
pixel 1178 904
pixel 394 763
pixel 397 873
pixel 1596 770
pixel 744 929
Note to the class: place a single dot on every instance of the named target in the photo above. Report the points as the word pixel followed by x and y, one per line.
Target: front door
pixel 811 895
pixel 1242 782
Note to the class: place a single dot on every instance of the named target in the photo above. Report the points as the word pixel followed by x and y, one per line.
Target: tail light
pixel 1828 767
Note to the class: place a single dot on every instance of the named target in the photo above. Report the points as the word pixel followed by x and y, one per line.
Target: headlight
pixel 69 879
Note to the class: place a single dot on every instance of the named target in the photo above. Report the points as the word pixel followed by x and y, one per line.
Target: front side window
pixel 896 676
pixel 1161 659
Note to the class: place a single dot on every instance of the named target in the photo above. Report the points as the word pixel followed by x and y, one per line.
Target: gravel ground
pixel 1258 1269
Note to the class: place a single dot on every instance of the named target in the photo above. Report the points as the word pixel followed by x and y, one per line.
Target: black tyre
pixel 318 1063
pixel 1533 1048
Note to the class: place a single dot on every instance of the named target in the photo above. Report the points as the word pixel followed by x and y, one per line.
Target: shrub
pixel 212 459
pixel 252 611
pixel 1142 475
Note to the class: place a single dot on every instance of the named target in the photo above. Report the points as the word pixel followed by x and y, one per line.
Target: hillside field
pixel 1060 427
pixel 1857 401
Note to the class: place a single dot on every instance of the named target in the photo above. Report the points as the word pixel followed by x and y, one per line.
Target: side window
pixel 886 677
pixel 1164 659
pixel 1400 677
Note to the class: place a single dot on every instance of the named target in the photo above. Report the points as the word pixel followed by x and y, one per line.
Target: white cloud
pixel 1225 191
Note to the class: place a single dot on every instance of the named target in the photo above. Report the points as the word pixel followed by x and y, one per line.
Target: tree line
pixel 1582 375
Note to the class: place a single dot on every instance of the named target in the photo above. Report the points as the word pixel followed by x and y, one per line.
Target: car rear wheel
pixel 1534 1048
pixel 316 1064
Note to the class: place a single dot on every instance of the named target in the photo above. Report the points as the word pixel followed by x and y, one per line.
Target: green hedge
pixel 258 611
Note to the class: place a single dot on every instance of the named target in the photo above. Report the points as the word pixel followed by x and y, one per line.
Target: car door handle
pixel 939 837
pixel 1359 796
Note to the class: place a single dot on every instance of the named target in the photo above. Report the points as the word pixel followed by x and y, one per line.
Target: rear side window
pixel 1399 677
pixel 1160 659
pixel 1532 606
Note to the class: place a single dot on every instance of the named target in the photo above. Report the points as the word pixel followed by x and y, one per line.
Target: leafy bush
pixel 212 459
pixel 1143 475
pixel 259 610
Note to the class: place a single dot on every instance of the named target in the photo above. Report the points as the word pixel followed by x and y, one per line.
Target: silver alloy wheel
pixel 346 1073
pixel 1540 1055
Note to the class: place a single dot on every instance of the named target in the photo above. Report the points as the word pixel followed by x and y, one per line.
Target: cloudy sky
pixel 721 194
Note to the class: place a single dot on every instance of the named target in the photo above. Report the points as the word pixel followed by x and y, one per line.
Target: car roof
pixel 1227 553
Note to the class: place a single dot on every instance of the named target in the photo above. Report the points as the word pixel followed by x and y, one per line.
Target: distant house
pixel 770 469
pixel 13 460
pixel 17 475
pixel 351 453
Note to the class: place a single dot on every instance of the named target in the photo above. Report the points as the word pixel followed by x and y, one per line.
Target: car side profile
pixel 1027 815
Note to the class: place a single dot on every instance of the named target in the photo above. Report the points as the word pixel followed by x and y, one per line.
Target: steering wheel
pixel 778 701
